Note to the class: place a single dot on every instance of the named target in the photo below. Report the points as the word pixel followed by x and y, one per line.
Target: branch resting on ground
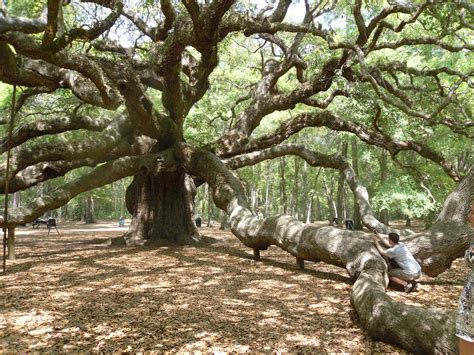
pixel 416 329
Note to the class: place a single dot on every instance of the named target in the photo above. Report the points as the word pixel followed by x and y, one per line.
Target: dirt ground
pixel 73 292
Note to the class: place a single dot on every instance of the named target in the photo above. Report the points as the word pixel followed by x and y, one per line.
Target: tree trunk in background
pixel 294 198
pixel 355 166
pixel 310 207
pixel 89 215
pixel 122 198
pixel 341 190
pixel 319 214
pixel 331 204
pixel 223 218
pixel 254 188
pixel 384 216
pixel 203 199
pixel 305 191
pixel 162 210
pixel 209 207
pixel 65 211
pixel 257 185
pixel 268 208
pixel 115 196
pixel 11 244
pixel 16 200
pixel 284 200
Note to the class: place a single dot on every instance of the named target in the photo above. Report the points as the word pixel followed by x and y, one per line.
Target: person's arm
pixel 383 239
pixel 377 242
pixel 469 256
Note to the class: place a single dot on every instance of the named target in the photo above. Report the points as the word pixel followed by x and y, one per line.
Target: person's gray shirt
pixel 404 259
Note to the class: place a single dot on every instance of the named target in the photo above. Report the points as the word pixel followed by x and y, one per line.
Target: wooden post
pixel 300 263
pixel 11 243
pixel 256 254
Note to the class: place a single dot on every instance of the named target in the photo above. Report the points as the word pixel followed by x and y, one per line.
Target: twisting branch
pixel 316 159
pixel 422 41
pixel 327 101
pixel 381 24
pixel 99 176
pixel 90 69
pixel 403 103
pixel 35 174
pixel 25 25
pixel 280 11
pixel 52 126
pixel 95 145
pixel 119 7
pixel 334 122
pixel 85 35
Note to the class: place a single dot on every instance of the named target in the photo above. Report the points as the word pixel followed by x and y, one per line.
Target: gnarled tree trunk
pixel 162 210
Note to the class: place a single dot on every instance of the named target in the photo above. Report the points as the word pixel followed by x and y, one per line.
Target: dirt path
pixel 73 292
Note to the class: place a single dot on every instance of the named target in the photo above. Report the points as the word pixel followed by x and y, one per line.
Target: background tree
pixel 175 94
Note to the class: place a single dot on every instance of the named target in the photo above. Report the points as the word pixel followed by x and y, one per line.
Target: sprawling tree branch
pixel 44 171
pixel 433 256
pixel 316 159
pixel 334 122
pixel 25 25
pixel 100 176
pixel 52 126
pixel 89 68
pixel 95 145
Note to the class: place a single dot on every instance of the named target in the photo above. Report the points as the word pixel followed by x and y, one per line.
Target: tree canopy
pixel 180 93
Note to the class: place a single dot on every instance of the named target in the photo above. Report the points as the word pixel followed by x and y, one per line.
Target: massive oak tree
pixel 148 64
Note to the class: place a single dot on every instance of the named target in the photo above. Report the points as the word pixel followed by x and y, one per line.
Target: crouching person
pixel 408 270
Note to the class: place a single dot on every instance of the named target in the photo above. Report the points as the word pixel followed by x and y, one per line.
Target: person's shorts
pixel 465 319
pixel 401 274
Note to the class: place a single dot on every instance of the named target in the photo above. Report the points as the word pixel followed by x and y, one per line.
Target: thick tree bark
pixel 450 236
pixel 162 210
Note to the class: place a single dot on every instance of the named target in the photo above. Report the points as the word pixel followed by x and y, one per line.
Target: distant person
pixel 121 221
pixel 408 270
pixel 258 213
pixel 465 319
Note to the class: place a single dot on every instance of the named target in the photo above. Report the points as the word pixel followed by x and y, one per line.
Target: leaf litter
pixel 73 292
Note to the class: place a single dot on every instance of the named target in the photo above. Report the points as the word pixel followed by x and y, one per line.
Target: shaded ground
pixel 73 292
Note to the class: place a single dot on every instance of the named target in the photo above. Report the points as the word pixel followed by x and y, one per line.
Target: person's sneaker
pixel 408 287
pixel 414 286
